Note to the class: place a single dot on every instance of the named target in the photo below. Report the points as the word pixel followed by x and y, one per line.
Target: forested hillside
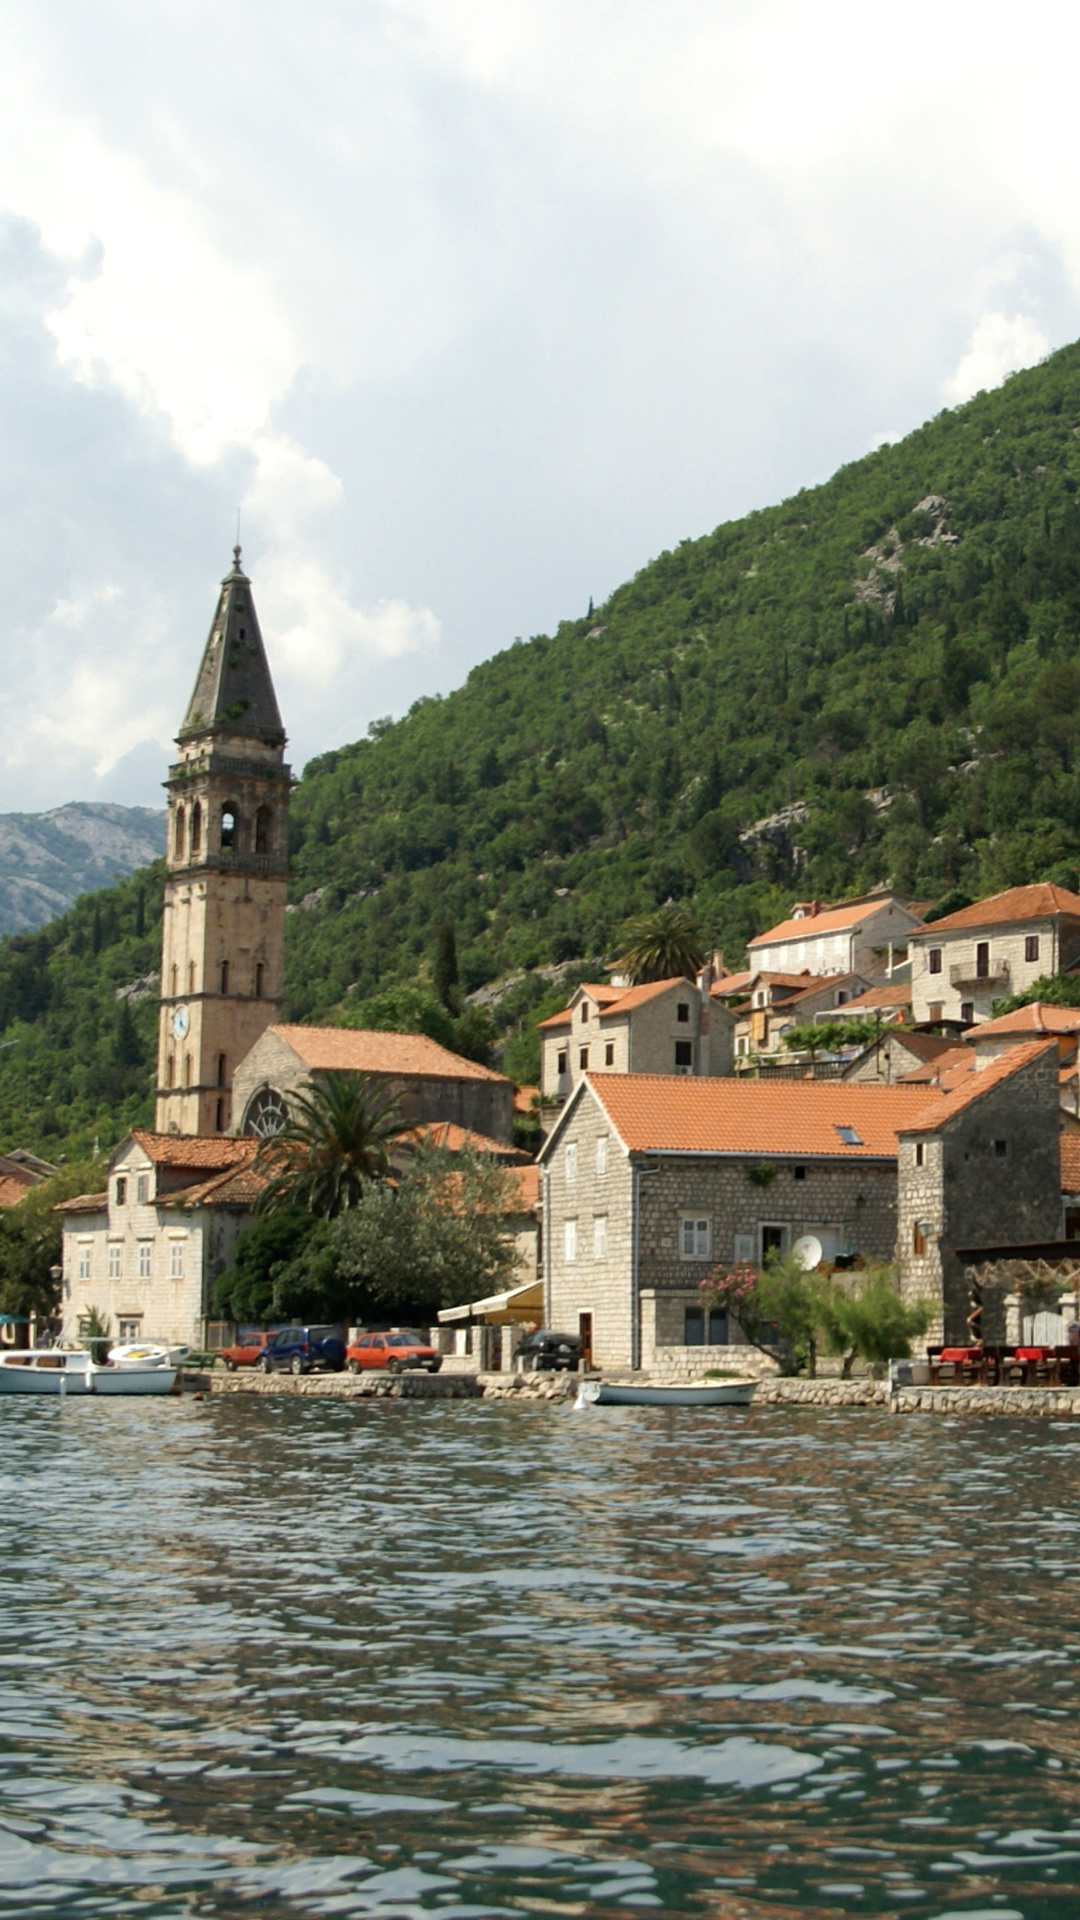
pixel 877 680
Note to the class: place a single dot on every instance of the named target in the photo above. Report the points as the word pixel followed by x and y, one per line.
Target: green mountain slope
pixel 877 680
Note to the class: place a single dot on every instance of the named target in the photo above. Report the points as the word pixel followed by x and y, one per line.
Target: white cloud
pixel 999 346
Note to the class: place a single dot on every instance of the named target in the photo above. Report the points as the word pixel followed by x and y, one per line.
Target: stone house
pixel 980 1163
pixel 856 936
pixel 666 1026
pixel 432 1083
pixel 649 1183
pixel 779 1002
pixel 961 964
pixel 146 1251
pixel 898 1054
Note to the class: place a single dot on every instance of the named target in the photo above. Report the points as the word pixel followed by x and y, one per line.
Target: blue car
pixel 302 1349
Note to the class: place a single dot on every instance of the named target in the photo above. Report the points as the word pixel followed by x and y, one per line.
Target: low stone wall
pixel 1056 1403
pixel 775 1391
pixel 345 1386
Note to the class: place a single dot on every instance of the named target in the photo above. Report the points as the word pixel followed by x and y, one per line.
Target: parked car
pixel 394 1351
pixel 547 1352
pixel 302 1349
pixel 246 1351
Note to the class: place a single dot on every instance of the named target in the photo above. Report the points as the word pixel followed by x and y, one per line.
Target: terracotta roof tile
pixel 447 1133
pixel 526 1099
pixel 360 1050
pixel 896 994
pixel 239 1186
pixel 1001 909
pixel 631 997
pixel 195 1150
pixel 947 1055
pixel 731 984
pixel 528 1187
pixel 1038 1017
pixel 1070 1162
pixel 925 1046
pixel 829 920
pixel 652 1113
pixel 84 1203
pixel 563 1019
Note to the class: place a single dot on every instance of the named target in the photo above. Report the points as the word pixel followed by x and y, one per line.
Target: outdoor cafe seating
pixel 999 1366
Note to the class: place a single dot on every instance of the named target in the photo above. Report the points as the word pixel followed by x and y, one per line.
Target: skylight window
pixel 849 1137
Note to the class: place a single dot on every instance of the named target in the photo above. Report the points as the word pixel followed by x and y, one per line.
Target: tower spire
pixel 234 693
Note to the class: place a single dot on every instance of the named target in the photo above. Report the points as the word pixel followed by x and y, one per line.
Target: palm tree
pixel 337 1139
pixel 661 945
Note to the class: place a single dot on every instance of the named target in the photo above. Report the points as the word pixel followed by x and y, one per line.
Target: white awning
pixel 518 1303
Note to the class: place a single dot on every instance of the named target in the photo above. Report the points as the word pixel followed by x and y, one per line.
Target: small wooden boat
pixel 52 1370
pixel 695 1393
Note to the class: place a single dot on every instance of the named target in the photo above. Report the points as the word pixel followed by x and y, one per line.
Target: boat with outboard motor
pixel 57 1370
pixel 692 1393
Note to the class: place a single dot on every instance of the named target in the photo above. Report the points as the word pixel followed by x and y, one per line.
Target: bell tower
pixel 223 937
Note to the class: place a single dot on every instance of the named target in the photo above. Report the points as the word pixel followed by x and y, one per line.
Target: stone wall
pixel 577 1277
pixel 1059 946
pixel 480 1106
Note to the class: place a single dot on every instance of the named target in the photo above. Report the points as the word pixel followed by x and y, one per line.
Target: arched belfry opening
pixel 229 788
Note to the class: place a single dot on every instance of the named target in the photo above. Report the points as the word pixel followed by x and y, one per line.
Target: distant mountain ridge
pixel 48 859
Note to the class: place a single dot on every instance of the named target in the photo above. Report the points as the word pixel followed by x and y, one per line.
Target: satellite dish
pixel 808 1252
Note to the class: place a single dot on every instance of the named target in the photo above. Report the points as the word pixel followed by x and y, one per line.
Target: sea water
pixel 289 1657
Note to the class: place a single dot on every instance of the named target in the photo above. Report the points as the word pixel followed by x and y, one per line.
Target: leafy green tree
pixel 661 945
pixel 445 971
pixel 825 1036
pixel 247 1292
pixel 406 1008
pixel 438 1238
pixel 31 1241
pixel 336 1142
pixel 780 1310
pixel 867 1318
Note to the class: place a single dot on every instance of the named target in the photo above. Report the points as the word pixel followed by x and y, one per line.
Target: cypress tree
pixel 445 971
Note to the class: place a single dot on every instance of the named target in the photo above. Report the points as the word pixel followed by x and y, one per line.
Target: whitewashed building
pixel 866 936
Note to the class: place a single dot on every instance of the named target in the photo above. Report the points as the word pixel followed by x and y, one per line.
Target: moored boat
pixel 44 1370
pixel 694 1393
pixel 53 1370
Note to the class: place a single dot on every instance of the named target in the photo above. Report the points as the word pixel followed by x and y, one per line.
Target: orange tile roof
pixel 925 1046
pixel 1039 902
pixel 1070 1162
pixel 83 1203
pixel 652 1113
pixel 896 994
pixel 15 1187
pixel 526 1099
pixel 829 920
pixel 194 1150
pixel 239 1186
pixel 563 1019
pixel 527 1197
pixel 1037 1017
pixel 362 1050
pixel 949 1055
pixel 731 983
pixel 447 1133
pixel 636 996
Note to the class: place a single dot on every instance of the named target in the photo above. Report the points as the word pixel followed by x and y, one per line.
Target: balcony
pixel 995 979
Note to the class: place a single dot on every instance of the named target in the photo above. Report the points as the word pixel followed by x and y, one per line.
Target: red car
pixel 394 1351
pixel 246 1352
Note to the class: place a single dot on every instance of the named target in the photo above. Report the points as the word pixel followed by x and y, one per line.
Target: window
pixel 745 1247
pixel 187 1069
pixel 849 1136
pixel 221 1070
pixel 121 1191
pixel 228 826
pixel 695 1237
pixel 83 1268
pixel 266 1114
pixel 175 980
pixel 170 1070
pixel 682 1011
pixel 219 1117
pixel 967 1012
pixel 684 1055
pixel 584 1009
pixel 224 976
pixel 693 1327
pixel 1001 1148
pixel 583 1059
pixel 571 1160
pixel 560 1063
pixel 142 1189
pixel 798 1173
pixel 919 1236
pixel 259 980
pixel 263 821
pixel 191 976
pixel 982 960
pixel 146 1252
pixel 842 999
pixel 601 1155
pixel 934 1011
pixel 609 1053
pixel 115 1255
pixel 178 834
pixel 129 1329
pixel 196 828
pixel 599 1236
pixel 934 958
pixel 570 1239
pixel 1031 946
pixel 176 1260
pixel 920 1154
pixel 718 1333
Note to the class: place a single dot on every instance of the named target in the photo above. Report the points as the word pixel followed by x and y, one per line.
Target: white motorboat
pixel 694 1393
pixel 53 1370
pixel 44 1370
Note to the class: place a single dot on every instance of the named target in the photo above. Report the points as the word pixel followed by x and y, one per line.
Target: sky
pixel 470 308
